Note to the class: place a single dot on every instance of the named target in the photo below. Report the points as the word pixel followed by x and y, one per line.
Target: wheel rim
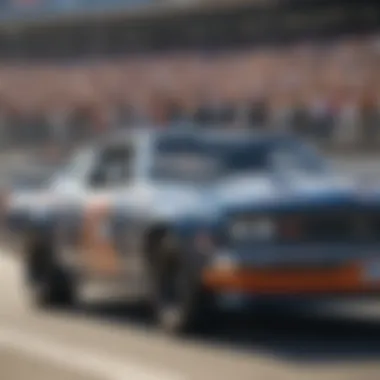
pixel 170 287
pixel 171 296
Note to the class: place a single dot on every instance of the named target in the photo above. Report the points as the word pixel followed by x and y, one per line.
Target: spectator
pixel 121 93
pixel 258 113
pixel 320 118
pixel 280 115
pixel 300 118
pixel 347 122
pixel 58 119
pixel 369 118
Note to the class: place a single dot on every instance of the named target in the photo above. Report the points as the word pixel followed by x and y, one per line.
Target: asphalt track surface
pixel 117 341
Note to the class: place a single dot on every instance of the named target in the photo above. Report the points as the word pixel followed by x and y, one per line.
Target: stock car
pixel 194 219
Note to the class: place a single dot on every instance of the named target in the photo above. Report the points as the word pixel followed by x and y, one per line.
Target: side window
pixel 113 167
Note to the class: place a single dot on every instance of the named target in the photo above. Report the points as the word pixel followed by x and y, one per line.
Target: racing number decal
pixel 100 256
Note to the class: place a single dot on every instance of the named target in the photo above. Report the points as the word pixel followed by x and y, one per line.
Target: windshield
pixel 201 159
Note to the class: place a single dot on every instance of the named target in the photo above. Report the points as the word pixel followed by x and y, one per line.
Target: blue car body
pixel 237 202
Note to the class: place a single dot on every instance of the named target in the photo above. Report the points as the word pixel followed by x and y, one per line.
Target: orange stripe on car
pixel 99 254
pixel 347 278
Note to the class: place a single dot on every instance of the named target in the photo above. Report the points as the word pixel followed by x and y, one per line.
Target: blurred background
pixel 71 70
pixel 74 70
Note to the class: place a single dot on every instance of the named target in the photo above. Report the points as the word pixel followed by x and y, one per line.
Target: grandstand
pixel 313 65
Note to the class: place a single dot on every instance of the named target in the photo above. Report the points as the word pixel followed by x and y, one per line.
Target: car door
pixel 68 188
pixel 105 184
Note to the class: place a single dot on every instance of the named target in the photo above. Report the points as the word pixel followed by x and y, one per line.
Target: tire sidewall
pixel 191 295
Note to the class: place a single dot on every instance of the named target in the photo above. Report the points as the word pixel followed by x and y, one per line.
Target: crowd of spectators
pixel 324 91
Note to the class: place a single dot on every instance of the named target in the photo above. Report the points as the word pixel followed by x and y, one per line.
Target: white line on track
pixel 77 359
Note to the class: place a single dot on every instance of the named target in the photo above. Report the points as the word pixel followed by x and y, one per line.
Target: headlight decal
pixel 257 228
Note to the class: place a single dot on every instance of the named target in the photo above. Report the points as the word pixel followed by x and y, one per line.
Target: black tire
pixel 49 284
pixel 179 302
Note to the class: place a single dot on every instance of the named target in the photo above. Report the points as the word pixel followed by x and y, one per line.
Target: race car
pixel 190 219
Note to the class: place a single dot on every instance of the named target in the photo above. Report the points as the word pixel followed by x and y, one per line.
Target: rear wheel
pixel 49 283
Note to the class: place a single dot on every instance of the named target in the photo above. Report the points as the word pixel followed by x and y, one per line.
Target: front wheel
pixel 180 303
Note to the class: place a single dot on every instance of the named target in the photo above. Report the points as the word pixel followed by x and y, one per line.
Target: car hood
pixel 266 189
pixel 258 192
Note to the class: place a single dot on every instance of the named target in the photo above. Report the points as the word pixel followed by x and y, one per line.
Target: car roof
pixel 213 134
pixel 223 135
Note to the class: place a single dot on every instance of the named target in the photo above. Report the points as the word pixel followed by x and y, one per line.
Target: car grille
pixel 321 227
pixel 336 227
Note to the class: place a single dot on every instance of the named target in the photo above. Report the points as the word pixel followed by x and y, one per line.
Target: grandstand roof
pixel 41 15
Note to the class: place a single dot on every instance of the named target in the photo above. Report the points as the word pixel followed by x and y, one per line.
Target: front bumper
pixel 348 270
